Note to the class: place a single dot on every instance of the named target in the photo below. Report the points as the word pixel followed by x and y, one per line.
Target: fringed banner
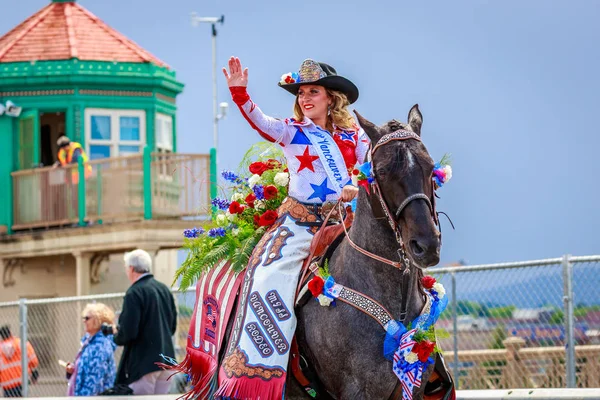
pixel 215 296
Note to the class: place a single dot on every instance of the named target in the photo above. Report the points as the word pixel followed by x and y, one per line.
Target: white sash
pixel 330 156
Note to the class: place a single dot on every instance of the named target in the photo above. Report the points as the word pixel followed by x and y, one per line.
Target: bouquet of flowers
pixel 239 220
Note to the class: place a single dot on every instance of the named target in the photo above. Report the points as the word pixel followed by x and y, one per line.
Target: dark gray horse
pixel 344 345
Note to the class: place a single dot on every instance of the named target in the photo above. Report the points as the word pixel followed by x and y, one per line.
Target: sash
pixel 330 156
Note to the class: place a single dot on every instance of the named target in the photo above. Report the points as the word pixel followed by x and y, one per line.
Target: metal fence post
pixel 569 320
pixel 23 336
pixel 455 328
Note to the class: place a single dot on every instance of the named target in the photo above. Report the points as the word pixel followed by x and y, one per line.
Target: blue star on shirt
pixel 321 191
pixel 347 136
pixel 300 137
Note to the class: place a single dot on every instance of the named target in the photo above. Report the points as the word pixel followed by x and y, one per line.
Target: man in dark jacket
pixel 146 325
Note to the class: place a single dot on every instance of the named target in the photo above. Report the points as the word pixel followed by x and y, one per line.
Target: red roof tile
pixel 62 31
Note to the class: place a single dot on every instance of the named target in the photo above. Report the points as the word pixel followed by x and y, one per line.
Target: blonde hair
pixel 338 111
pixel 101 312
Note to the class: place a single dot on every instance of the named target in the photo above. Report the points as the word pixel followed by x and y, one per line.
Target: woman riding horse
pixel 322 144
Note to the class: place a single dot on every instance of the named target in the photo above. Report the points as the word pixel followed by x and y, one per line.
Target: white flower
pixel 324 300
pixel 282 178
pixel 259 204
pixel 439 288
pixel 448 171
pixel 231 217
pixel 238 197
pixel 411 358
pixel 221 219
pixel 235 231
pixel 254 179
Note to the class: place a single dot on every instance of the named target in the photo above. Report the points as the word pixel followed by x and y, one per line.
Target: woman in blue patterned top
pixel 94 369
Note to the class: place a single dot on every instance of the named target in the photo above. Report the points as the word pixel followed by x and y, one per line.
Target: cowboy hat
pixel 317 73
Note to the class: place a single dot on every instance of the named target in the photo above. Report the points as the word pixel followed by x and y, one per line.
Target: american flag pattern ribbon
pixel 412 377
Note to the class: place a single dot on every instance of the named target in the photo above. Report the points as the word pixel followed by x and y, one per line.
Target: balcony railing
pixel 118 189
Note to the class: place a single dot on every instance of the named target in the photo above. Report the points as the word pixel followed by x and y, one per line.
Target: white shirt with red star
pixel 318 171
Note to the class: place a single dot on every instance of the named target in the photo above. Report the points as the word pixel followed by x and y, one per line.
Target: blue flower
pixel 193 233
pixel 230 176
pixel 216 232
pixel 259 192
pixel 221 204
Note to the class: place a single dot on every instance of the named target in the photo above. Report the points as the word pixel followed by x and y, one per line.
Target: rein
pixel 404 262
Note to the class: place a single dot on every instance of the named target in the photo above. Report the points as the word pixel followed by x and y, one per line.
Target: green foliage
pixel 465 307
pixel 501 312
pixel 498 337
pixel 240 231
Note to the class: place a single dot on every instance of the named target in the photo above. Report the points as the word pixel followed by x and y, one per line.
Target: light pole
pixel 223 106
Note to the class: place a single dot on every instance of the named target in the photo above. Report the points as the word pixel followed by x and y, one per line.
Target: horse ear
pixel 415 119
pixel 370 128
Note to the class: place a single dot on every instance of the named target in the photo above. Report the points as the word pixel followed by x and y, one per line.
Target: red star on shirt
pixel 306 160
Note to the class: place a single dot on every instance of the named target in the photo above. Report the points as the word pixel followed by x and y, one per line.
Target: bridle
pixel 392 218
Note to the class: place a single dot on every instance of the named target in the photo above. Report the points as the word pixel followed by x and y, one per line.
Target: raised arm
pixel 271 129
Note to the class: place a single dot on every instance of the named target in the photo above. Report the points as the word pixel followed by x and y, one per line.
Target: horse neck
pixel 378 280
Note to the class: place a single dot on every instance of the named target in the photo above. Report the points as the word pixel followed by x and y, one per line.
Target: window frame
pixel 158 122
pixel 115 129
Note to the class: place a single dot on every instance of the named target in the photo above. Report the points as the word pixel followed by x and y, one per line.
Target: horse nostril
pixel 417 249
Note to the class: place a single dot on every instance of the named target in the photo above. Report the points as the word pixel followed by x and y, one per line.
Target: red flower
pixel 365 183
pixel 256 219
pixel 258 168
pixel 315 285
pixel 423 349
pixel 428 281
pixel 236 208
pixel 272 163
pixel 250 199
pixel 268 218
pixel 286 170
pixel 355 171
pixel 270 192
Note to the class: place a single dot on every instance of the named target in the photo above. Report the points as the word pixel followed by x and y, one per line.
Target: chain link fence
pixel 54 328
pixel 532 324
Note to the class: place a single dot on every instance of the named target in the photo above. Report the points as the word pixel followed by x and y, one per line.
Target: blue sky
pixel 510 88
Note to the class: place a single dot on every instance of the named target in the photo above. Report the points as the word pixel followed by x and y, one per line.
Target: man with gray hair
pixel 147 323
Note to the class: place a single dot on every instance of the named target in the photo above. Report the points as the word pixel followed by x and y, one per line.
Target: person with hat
pixel 322 144
pixel 70 153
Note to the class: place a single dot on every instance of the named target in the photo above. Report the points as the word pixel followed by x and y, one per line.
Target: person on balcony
pixel 70 153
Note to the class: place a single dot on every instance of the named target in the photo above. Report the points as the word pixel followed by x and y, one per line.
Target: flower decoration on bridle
pixel 363 176
pixel 442 171
pixel 290 77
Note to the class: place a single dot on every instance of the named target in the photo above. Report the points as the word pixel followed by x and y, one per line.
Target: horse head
pixel 402 169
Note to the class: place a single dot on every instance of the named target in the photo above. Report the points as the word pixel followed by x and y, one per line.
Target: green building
pixel 64 71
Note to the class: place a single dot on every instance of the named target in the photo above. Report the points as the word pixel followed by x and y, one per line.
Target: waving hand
pixel 236 77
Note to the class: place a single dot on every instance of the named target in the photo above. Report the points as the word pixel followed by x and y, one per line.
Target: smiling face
pixel 90 322
pixel 313 101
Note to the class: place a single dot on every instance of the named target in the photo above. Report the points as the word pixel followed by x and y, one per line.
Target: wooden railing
pixel 117 189
pixel 520 367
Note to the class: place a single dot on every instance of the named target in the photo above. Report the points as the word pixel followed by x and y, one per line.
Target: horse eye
pixel 381 172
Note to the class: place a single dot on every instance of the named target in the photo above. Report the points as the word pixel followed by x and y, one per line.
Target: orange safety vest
pixel 66 156
pixel 10 362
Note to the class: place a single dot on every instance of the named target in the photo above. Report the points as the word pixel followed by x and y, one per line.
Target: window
pixel 112 133
pixel 164 133
pixel 164 142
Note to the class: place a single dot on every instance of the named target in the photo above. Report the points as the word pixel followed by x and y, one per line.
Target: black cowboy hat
pixel 318 73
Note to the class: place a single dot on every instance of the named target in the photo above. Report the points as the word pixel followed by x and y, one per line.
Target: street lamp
pixel 223 106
